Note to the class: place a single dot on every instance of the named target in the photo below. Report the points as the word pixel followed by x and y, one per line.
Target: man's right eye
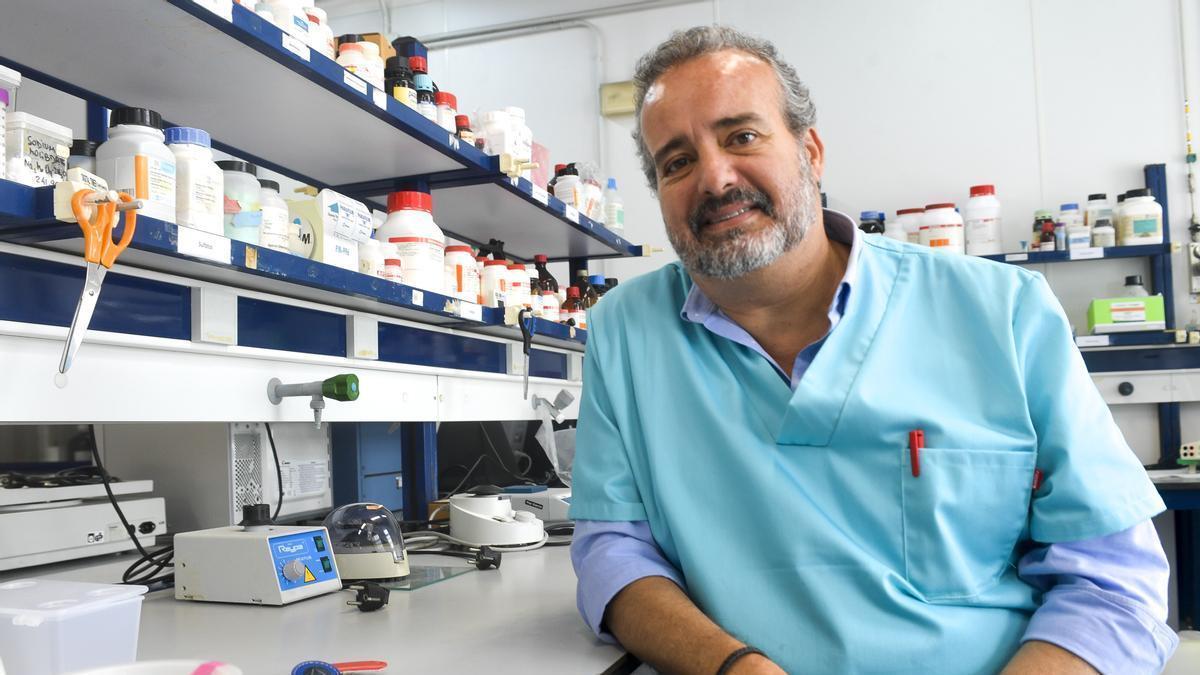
pixel 674 165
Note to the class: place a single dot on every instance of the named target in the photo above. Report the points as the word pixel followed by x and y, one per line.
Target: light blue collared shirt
pixel 1102 597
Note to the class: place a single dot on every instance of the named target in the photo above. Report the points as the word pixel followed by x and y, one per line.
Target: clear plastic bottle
pixel 243 206
pixel 137 133
pixel 273 233
pixel 420 242
pixel 614 208
pixel 199 184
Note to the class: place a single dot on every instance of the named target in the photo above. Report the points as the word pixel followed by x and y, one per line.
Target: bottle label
pixel 422 261
pixel 405 95
pixel 274 228
pixel 1145 227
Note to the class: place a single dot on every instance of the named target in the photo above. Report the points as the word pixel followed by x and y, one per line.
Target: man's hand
pixel 658 623
pixel 1042 658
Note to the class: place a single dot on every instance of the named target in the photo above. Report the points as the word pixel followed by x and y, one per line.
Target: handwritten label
pixel 203 245
pixel 418 297
pixel 1093 341
pixel 1016 257
pixel 380 98
pixel 571 213
pixel 355 81
pixel 540 195
pixel 296 47
pixel 1086 253
pixel 470 311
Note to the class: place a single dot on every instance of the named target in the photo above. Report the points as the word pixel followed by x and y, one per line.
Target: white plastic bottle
pixel 351 57
pixel 373 65
pixel 421 247
pixel 982 221
pixel 568 188
pixel 614 208
pixel 495 282
pixel 1097 203
pixel 243 210
pixel 462 273
pixel 942 228
pixel 135 139
pixel 273 232
pixel 910 221
pixel 1140 220
pixel 551 308
pixel 370 258
pixel 447 110
pixel 518 286
pixel 522 138
pixel 320 35
pixel 894 229
pixel 199 184
pixel 290 17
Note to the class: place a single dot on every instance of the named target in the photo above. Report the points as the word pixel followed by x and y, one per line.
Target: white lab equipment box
pixel 209 471
pixel 49 626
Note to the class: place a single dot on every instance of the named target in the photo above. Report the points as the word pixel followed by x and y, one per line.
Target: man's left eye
pixel 744 137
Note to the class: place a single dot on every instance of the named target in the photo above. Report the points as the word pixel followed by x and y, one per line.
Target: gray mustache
pixel 708 208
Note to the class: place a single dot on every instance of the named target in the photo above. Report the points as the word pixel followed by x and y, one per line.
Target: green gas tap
pixel 339 388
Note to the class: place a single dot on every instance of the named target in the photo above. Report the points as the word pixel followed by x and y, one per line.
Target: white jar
pixel 462 273
pixel 393 268
pixel 551 309
pixel 373 65
pixel 1103 233
pixel 135 137
pixel 942 228
pixel 1140 220
pixel 568 188
pixel 518 286
pixel 420 244
pixel 199 183
pixel 447 110
pixel 494 131
pixel 910 220
pixel 290 17
pixel 495 282
pixel 320 35
pixel 982 221
pixel 351 57
pixel 1094 209
pixel 273 232
pixel 37 150
pixel 370 258
pixel 243 205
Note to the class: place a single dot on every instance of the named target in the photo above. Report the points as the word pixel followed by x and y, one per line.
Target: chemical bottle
pixel 373 65
pixel 290 17
pixel 398 81
pixel 611 282
pixel 370 258
pixel 1141 219
pixel 910 221
pixel 535 289
pixel 572 311
pixel 567 187
pixel 894 229
pixel 1096 203
pixel 942 228
pixel 495 282
pixel 551 309
pixel 981 221
pixel 420 243
pixel 1134 287
pixel 351 57
pixel 1047 242
pixel 1069 222
pixel 135 138
pixel 274 230
pixel 522 140
pixel 320 35
pixel 518 286
pixel 1116 219
pixel 83 153
pixel 546 281
pixel 243 205
pixel 558 168
pixel 871 222
pixel 199 182
pixel 462 273
pixel 462 129
pixel 614 208
pixel 447 107
pixel 596 288
pixel 1103 232
pixel 426 103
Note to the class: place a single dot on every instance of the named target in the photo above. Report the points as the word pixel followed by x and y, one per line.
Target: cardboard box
pixel 1124 315
pixel 328 228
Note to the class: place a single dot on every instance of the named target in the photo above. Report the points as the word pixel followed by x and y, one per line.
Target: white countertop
pixel 520 618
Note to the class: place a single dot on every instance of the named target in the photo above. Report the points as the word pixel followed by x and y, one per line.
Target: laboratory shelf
pixel 1146 338
pixel 26 218
pixel 1097 253
pixel 260 93
pixel 478 208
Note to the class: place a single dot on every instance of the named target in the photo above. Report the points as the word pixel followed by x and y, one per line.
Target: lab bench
pixel 520 618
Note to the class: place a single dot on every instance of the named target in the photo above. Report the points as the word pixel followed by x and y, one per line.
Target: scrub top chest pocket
pixel 964 511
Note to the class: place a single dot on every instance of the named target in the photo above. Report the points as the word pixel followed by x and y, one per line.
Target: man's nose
pixel 717 173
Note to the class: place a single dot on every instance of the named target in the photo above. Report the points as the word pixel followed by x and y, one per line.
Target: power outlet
pixel 1194 266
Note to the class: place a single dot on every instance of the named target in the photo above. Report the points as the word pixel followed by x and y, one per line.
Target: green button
pixel 320 542
pixel 325 564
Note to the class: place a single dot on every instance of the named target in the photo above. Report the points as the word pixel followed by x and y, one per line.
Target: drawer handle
pixel 1125 388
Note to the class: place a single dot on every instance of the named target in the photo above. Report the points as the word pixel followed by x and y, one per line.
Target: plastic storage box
pixel 37 150
pixel 50 627
pixel 1123 315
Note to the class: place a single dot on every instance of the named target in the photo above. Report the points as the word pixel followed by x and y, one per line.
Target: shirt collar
pixel 839 227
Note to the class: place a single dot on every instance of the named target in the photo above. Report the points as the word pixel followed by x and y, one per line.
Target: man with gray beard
pixel 803 449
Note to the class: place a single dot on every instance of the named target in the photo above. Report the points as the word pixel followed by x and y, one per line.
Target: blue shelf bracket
pixel 1160 265
pixel 420 468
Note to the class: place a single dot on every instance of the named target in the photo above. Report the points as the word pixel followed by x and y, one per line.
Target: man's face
pixel 736 187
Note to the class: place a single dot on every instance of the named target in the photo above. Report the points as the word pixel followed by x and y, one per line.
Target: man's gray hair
pixel 798 108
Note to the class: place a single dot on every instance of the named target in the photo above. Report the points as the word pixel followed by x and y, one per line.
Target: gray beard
pixel 736 252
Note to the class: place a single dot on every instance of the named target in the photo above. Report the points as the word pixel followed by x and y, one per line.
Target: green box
pixel 1124 315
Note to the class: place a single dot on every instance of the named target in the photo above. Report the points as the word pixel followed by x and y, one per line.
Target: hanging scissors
pixel 100 251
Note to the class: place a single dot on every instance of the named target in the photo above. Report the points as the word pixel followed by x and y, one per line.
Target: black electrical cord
pixel 278 472
pixel 466 477
pixel 145 570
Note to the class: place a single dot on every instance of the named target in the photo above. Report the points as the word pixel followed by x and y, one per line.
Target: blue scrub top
pixel 795 518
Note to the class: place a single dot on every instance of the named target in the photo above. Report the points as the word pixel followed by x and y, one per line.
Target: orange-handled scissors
pixel 100 252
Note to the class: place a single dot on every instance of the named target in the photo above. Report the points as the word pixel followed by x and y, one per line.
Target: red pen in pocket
pixel 916 441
